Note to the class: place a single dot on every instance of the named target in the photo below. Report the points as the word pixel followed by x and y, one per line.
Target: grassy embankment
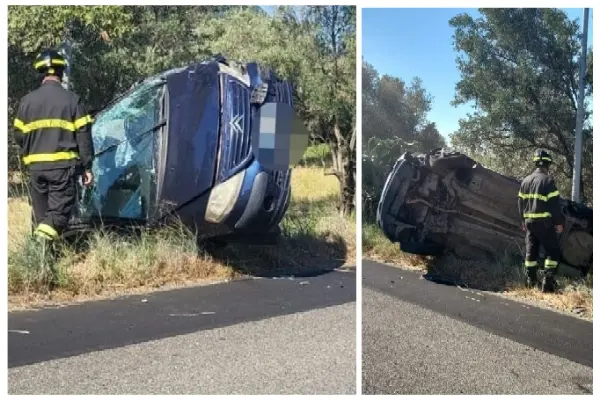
pixel 314 238
pixel 500 276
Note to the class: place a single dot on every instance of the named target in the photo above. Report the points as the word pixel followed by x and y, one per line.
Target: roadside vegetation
pixel 514 116
pixel 314 238
pixel 502 276
pixel 318 232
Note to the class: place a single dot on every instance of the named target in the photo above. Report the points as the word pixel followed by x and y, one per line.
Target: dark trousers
pixel 53 196
pixel 541 232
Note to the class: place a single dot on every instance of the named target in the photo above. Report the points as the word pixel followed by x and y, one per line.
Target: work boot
pixel 531 277
pixel 549 283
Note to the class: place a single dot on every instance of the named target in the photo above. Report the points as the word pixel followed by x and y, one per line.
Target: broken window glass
pixel 124 140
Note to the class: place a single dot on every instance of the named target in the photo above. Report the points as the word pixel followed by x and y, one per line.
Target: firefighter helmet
pixel 50 62
pixel 542 158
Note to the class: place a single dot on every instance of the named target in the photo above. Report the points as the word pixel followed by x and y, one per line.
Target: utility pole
pixel 575 194
pixel 67 51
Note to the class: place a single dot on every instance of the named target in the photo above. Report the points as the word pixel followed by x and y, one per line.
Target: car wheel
pixel 443 163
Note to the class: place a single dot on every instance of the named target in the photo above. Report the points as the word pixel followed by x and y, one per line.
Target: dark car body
pixel 445 201
pixel 178 145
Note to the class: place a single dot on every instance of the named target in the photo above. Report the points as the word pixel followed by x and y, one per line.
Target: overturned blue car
pixel 444 201
pixel 184 145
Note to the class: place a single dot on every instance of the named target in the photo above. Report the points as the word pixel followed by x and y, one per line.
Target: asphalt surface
pixel 421 337
pixel 263 336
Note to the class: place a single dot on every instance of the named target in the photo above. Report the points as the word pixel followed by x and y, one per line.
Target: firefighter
pixel 54 136
pixel 539 206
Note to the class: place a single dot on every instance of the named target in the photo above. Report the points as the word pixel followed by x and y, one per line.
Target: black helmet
pixel 50 62
pixel 542 158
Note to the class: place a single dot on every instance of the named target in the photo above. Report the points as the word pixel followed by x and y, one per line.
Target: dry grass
pixel 311 184
pixel 319 194
pixel 503 275
pixel 575 297
pixel 377 247
pixel 314 237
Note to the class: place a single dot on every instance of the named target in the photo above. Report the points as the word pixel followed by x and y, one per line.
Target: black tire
pixel 442 163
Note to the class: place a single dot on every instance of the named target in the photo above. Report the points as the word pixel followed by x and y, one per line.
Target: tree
pixel 519 67
pixel 332 99
pixel 394 121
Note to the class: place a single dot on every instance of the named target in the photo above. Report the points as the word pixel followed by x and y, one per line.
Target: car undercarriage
pixel 444 201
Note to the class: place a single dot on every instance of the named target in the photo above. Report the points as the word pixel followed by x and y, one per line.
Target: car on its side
pixel 445 201
pixel 178 145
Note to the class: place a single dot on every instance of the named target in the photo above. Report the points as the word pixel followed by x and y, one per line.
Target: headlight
pixel 223 197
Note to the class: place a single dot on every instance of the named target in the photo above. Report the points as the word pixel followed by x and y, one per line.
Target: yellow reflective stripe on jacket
pixel 550 263
pixel 19 124
pixel 53 123
pixel 539 196
pixel 83 121
pixel 542 158
pixel 60 156
pixel 537 215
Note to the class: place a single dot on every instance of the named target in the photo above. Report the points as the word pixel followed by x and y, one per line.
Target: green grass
pixel 318 155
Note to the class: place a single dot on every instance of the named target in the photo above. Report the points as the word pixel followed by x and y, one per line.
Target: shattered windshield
pixel 124 140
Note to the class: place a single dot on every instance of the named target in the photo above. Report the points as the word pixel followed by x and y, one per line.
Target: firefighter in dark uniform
pixel 539 206
pixel 54 135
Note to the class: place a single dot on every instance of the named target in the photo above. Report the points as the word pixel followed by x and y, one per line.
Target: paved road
pixel 421 337
pixel 267 336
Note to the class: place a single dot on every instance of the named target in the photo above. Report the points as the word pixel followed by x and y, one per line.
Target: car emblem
pixel 235 124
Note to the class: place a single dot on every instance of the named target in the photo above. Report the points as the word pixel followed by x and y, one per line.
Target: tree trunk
pixel 343 157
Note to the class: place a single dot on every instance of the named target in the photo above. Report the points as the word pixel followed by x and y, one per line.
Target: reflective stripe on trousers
pixel 45 231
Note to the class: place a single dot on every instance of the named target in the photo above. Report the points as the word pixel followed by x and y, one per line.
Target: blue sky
pixel 409 42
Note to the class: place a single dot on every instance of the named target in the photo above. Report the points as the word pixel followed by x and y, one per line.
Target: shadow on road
pixel 299 255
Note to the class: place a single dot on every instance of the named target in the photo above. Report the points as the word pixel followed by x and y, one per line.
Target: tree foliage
pixel 114 46
pixel 394 121
pixel 520 69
